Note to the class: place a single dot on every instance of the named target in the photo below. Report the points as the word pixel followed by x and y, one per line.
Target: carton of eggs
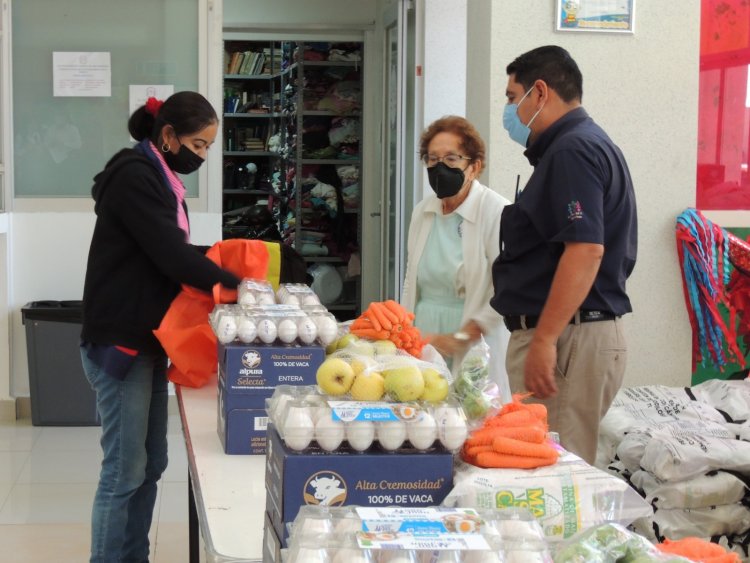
pixel 297 294
pixel 305 418
pixel 332 533
pixel 253 291
pixel 264 324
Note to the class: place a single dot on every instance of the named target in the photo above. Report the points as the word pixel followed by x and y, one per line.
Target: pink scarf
pixel 178 189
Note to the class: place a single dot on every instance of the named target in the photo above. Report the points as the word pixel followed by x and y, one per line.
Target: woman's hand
pixel 451 344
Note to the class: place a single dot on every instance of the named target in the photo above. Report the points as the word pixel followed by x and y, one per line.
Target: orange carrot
pixel 375 310
pixel 494 459
pixel 481 437
pixel 472 451
pixel 515 418
pixel 503 445
pixel 390 315
pixel 397 309
pixel 371 333
pixel 532 434
pixel 361 322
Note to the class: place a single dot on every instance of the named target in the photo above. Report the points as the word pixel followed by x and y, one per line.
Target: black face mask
pixel 444 180
pixel 184 162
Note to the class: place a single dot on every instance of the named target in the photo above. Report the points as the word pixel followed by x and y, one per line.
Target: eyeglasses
pixel 451 160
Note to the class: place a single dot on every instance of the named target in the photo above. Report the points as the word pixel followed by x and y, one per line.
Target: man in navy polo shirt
pixel 567 246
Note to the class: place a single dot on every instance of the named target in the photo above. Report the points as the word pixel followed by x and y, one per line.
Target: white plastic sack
pixel 631 448
pixel 678 523
pixel 566 497
pixel 732 397
pixel 703 491
pixel 620 420
pixel 674 456
pixel 653 397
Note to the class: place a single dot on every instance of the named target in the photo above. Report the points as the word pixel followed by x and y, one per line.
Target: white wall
pixel 643 90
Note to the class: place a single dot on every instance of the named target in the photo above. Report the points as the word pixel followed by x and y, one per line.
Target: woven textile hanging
pixel 715 268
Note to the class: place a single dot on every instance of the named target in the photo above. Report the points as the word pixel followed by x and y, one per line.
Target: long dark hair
pixel 187 112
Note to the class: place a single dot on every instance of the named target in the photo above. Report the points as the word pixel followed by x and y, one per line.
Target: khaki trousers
pixel 591 361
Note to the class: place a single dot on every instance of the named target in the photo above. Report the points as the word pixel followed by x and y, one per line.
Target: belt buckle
pixel 587 316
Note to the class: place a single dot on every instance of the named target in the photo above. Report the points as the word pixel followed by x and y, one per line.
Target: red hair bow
pixel 153 105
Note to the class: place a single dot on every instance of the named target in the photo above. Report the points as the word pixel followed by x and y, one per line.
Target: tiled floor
pixel 48 477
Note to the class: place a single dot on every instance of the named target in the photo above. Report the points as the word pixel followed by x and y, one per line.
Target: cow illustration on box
pixel 325 488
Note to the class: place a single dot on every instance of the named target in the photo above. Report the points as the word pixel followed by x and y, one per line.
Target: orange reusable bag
pixel 184 332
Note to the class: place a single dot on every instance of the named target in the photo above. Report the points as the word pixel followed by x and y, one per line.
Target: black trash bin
pixel 60 393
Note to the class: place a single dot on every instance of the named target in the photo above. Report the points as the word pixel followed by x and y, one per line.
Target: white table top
pixel 229 490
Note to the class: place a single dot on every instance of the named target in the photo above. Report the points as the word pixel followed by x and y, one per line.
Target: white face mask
pixel 513 124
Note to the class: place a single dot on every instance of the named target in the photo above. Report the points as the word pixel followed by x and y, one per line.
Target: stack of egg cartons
pixel 268 338
pixel 394 448
pixel 427 535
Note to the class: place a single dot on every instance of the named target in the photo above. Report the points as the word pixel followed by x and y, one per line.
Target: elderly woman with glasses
pixel 454 237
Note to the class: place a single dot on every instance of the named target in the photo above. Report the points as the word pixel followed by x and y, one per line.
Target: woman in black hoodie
pixel 140 254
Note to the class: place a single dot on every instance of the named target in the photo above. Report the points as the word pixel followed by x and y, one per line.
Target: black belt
pixel 518 322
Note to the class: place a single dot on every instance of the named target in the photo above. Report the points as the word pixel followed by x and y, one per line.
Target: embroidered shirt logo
pixel 575 211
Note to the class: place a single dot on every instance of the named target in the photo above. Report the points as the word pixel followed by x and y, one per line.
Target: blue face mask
pixel 512 123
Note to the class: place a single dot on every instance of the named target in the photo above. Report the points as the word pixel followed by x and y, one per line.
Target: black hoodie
pixel 138 256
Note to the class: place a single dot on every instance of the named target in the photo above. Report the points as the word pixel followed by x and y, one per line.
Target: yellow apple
pixel 335 376
pixel 367 386
pixel 384 347
pixel 361 363
pixel 435 386
pixel 332 347
pixel 404 383
pixel 346 340
pixel 361 347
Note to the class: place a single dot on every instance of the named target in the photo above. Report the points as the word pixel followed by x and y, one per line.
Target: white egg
pixel 307 332
pixel 287 331
pixel 399 557
pixel 309 555
pixel 328 330
pixel 391 435
pixel 226 331
pixel 310 299
pixel 277 409
pixel 452 429
pixel 298 428
pixel 247 299
pixel 422 432
pixel 360 434
pixel 518 530
pixel 525 556
pixel 291 300
pixel 329 433
pixel 352 555
pixel 265 298
pixel 347 525
pixel 311 525
pixel 246 330
pixel 448 556
pixel 482 557
pixel 267 331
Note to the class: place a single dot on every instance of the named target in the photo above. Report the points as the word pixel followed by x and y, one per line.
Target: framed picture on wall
pixel 612 16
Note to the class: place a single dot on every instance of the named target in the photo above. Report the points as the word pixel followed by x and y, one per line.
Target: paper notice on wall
pixel 139 93
pixel 82 74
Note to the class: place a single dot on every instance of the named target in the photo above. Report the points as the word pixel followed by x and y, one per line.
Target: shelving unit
pixel 324 134
pixel 251 117
pixel 315 109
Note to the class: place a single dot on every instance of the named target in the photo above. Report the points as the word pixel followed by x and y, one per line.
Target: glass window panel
pixel 61 143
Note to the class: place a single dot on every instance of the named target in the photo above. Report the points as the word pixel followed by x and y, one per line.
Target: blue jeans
pixel 134 416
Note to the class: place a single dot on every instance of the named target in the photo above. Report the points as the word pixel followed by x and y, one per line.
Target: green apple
pixel 404 383
pixel 335 376
pixel 346 340
pixel 332 347
pixel 435 386
pixel 384 347
pixel 367 386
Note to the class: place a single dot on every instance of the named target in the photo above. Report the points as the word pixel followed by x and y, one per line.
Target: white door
pixel 399 154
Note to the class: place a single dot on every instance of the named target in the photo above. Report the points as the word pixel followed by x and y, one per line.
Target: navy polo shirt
pixel 580 191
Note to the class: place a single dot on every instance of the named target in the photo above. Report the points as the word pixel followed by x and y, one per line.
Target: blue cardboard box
pixel 255 371
pixel 346 477
pixel 242 430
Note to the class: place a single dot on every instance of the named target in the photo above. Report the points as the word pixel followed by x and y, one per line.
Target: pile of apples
pixel 373 377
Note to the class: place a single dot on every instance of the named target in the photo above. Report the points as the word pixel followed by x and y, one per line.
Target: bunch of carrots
pixel 388 320
pixel 697 549
pixel 516 437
